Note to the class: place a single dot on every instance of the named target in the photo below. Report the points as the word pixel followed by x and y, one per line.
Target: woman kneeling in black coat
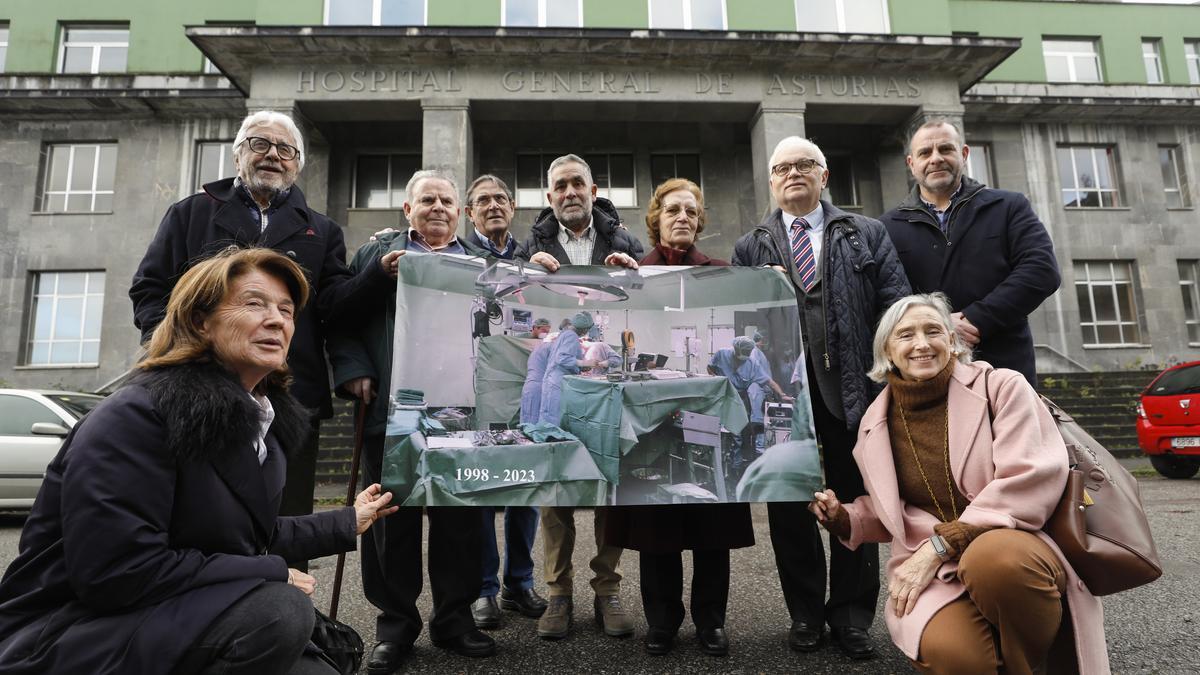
pixel 154 545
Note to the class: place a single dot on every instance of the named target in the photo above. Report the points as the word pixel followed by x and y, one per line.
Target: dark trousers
pixel 853 576
pixel 391 564
pixel 662 588
pixel 520 527
pixel 297 499
pixel 264 632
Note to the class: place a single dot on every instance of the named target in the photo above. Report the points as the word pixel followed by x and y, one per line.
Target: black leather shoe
pixel 713 641
pixel 486 612
pixel 805 637
pixel 659 641
pixel 525 601
pixel 470 643
pixel 854 642
pixel 387 657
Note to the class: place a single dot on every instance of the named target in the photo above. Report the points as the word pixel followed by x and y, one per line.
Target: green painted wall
pixel 1120 28
pixel 156 40
pixel 616 13
pixel 920 17
pixel 766 15
pixel 464 12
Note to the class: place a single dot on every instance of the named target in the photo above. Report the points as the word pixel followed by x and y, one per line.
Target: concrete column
pixel 770 125
pixel 446 140
pixel 314 178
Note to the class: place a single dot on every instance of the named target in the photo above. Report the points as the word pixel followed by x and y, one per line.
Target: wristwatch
pixel 939 547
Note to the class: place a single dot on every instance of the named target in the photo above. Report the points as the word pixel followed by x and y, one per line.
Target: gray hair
pixel 425 174
pixel 488 178
pixel 939 303
pixel 265 118
pixel 568 159
pixel 796 141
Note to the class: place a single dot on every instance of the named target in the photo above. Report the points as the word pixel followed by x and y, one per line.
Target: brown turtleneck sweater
pixel 924 406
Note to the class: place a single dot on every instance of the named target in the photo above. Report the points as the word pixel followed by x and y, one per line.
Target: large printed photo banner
pixel 660 400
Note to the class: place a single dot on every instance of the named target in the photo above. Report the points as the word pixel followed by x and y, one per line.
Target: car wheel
pixel 1180 468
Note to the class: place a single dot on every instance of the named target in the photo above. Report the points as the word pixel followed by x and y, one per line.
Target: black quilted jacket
pixel 861 277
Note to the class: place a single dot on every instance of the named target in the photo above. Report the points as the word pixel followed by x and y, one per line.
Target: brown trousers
pixel 1013 617
pixel 558 537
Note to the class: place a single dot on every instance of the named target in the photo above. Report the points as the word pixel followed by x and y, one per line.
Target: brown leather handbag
pixel 1099 523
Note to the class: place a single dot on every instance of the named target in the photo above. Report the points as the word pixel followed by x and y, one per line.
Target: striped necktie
pixel 802 254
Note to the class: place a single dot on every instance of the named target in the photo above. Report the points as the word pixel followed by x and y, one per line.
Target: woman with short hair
pixel 963 465
pixel 154 545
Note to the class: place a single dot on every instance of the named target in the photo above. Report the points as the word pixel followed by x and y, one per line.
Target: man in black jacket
pixel 982 247
pixel 846 274
pixel 263 207
pixel 578 228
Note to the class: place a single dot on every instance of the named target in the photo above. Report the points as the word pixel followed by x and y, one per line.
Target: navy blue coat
pixel 197 227
pixel 996 264
pixel 153 519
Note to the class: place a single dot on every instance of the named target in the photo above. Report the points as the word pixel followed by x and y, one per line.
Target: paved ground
pixel 1154 629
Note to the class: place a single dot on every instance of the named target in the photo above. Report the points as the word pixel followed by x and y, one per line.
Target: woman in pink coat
pixel 974 585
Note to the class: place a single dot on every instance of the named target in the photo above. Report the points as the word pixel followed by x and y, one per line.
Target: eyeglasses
pixel 804 166
pixel 482 201
pixel 262 146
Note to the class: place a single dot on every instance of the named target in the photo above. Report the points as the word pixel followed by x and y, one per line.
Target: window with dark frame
pixel 64 318
pixel 1088 175
pixel 1108 313
pixel 77 178
pixel 613 175
pixel 1189 287
pixel 214 161
pixel 667 165
pixel 1175 185
pixel 380 179
pixel 842 185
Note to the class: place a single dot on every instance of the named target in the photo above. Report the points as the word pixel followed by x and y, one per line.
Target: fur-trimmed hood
pixel 207 411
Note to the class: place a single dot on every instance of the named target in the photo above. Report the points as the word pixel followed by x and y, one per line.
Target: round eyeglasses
pixel 262 146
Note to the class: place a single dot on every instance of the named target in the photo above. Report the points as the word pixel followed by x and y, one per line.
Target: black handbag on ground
pixel 340 645
pixel 1099 523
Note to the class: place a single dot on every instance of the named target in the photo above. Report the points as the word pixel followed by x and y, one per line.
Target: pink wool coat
pixel 1013 470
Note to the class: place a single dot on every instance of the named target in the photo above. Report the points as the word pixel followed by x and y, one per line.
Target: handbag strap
pixel 988 395
pixel 359 422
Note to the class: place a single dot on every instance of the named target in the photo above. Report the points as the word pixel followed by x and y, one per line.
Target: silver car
pixel 33 424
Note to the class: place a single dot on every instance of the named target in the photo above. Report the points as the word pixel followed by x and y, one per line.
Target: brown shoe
pixel 612 617
pixel 556 620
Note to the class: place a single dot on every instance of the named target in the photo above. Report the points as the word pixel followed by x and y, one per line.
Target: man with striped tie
pixel 846 273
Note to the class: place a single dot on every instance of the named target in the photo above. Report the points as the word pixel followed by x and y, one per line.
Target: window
pixel 1107 310
pixel 214 161
pixel 375 12
pixel 979 163
pixel 674 165
pixel 1088 176
pixel 3 45
pixel 1071 60
pixel 1152 57
pixel 688 14
pixel 842 16
pixel 1191 52
pixel 612 174
pixel 94 49
pixel 542 13
pixel 843 188
pixel 65 318
pixel 78 178
pixel 1174 179
pixel 210 68
pixel 18 415
pixel 1189 277
pixel 379 180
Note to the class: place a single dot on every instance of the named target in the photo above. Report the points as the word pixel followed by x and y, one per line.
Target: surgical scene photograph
pixel 514 386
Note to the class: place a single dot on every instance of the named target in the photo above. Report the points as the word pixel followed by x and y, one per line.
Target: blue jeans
pixel 520 527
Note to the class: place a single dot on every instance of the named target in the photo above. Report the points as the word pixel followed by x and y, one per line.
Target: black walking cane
pixel 359 418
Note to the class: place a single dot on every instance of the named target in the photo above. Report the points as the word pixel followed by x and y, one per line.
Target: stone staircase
pixel 1103 403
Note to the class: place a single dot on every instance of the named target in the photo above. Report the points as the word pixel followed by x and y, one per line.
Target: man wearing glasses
pixel 846 273
pixel 261 206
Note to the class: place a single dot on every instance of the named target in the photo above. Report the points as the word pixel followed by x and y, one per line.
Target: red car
pixel 1168 425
